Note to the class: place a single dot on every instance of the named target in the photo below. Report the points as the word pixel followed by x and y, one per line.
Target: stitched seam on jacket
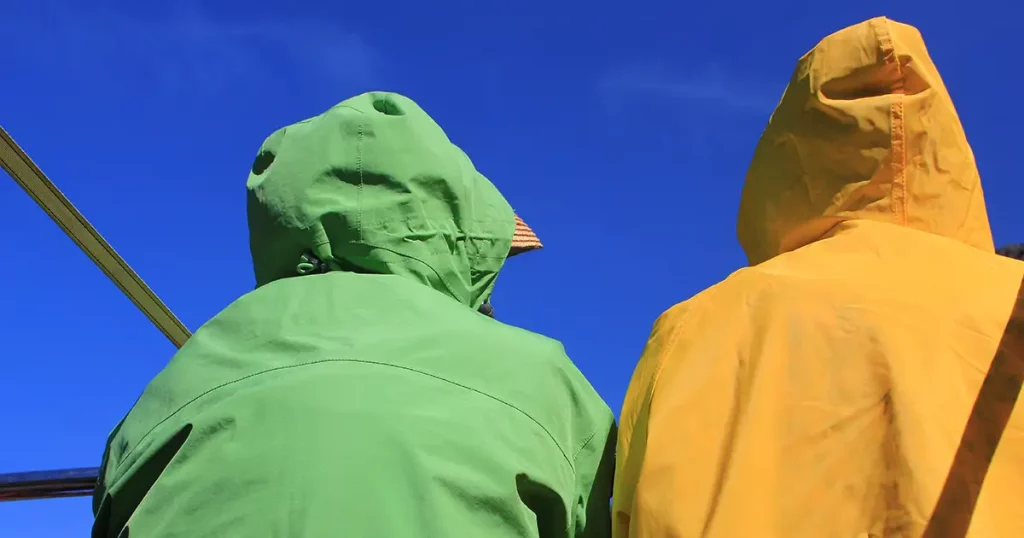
pixel 583 445
pixel 128 454
pixel 673 337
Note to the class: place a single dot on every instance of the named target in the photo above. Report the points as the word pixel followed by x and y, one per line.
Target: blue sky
pixel 621 134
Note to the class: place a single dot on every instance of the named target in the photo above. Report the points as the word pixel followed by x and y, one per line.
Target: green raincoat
pixel 372 400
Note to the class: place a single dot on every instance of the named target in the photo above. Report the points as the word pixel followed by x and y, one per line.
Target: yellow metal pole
pixel 25 172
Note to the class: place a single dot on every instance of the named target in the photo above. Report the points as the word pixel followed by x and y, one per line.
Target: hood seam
pixel 898 139
pixel 359 189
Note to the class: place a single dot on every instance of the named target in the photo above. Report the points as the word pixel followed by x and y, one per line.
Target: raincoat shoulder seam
pixel 477 391
pixel 207 392
pixel 583 445
pixel 677 331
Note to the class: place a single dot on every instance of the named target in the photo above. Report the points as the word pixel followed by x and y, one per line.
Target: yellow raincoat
pixel 857 378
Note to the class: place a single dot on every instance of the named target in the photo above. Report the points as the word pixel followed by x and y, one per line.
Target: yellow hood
pixel 865 130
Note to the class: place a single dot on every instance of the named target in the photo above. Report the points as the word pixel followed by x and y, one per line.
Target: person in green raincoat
pixel 360 390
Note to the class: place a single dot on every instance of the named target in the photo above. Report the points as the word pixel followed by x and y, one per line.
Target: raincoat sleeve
pixel 101 501
pixel 595 468
pixel 632 435
pixel 100 505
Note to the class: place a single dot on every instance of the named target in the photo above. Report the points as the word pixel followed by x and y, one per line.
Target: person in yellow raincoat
pixel 859 378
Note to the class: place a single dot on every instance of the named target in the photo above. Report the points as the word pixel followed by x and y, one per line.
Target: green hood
pixel 375 183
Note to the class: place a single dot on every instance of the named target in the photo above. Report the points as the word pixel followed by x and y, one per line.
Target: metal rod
pixel 48 484
pixel 25 172
pixel 76 482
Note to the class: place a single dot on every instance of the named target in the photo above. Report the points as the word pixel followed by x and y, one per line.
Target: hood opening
pixel 376 184
pixel 864 130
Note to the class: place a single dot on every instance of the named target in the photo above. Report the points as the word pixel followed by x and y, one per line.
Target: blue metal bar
pixel 48 484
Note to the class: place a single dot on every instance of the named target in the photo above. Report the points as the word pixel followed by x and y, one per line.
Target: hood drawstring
pixel 311 265
pixel 486 309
